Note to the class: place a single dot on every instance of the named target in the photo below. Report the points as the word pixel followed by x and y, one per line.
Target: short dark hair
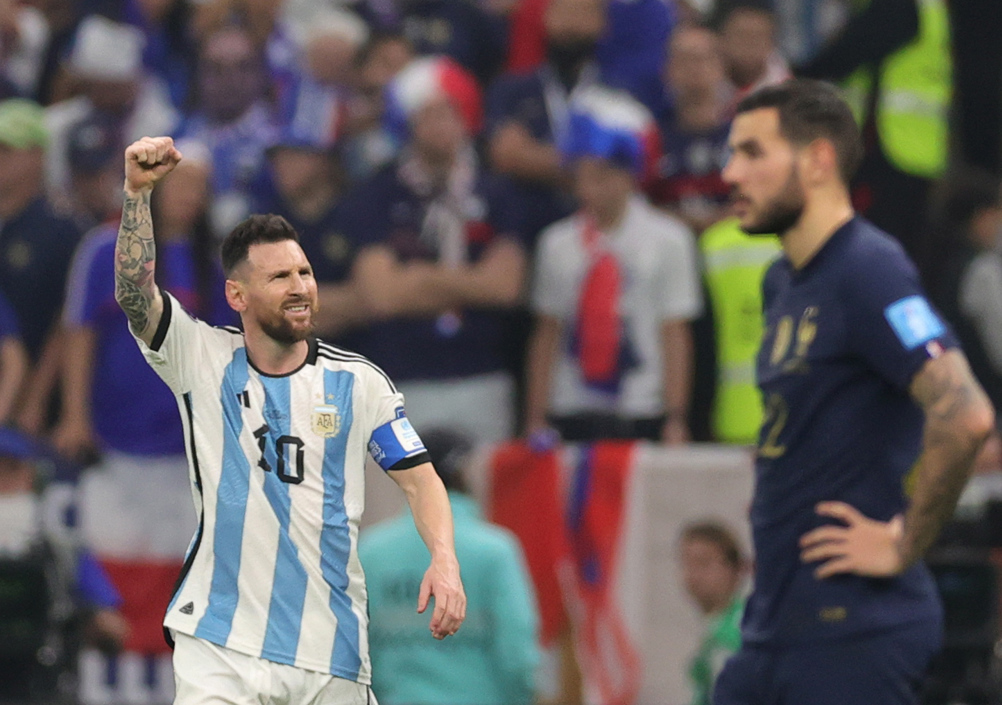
pixel 252 231
pixel 716 533
pixel 810 110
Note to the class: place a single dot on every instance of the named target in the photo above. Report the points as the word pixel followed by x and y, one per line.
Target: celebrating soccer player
pixel 271 602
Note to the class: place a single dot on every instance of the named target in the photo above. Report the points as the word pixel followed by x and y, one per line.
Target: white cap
pixel 329 22
pixel 106 50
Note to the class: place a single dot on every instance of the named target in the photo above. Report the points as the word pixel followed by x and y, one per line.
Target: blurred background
pixel 514 207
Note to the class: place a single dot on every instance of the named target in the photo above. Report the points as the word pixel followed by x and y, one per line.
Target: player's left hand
pixel 442 582
pixel 863 546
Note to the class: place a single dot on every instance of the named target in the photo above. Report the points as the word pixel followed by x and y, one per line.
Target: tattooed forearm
pixel 958 420
pixel 135 255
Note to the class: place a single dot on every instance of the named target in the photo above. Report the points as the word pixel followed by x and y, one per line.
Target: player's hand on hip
pixel 442 582
pixel 862 546
pixel 148 160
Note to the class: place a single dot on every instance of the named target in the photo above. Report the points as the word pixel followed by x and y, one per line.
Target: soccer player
pixel 863 384
pixel 271 602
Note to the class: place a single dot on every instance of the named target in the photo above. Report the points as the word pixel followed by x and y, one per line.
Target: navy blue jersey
pixel 845 336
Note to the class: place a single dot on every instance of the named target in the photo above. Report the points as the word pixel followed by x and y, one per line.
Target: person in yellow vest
pixel 734 264
pixel 893 59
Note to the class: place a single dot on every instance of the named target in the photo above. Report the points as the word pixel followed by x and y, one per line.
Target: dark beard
pixel 784 212
pixel 284 333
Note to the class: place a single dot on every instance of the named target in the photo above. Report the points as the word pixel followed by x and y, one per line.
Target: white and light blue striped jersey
pixel 277 473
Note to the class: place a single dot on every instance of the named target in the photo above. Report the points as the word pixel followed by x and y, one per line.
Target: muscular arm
pixel 135 259
pixel 429 504
pixel 958 420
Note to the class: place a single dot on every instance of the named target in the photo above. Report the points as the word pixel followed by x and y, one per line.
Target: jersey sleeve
pixel 393 443
pixel 550 293
pixel 891 323
pixel 177 351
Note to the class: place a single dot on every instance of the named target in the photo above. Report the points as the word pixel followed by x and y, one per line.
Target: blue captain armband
pixel 396 445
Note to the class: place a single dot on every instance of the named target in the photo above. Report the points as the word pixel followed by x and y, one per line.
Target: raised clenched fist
pixel 147 161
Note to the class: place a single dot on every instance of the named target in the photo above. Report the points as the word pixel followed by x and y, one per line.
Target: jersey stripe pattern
pixel 277 471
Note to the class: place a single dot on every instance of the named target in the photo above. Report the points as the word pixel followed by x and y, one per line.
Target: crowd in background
pixel 514 207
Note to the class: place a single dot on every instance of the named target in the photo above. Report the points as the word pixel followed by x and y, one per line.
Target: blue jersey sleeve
pixel 9 327
pixel 891 323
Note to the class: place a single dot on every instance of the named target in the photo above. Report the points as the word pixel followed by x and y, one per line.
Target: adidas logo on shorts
pixel 188 608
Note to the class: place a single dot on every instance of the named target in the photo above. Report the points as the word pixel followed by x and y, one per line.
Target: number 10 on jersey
pixel 288 450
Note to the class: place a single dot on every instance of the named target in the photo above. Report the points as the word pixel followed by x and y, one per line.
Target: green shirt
pixel 722 638
pixel 492 659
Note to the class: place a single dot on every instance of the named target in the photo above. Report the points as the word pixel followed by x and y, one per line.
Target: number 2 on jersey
pixel 776 413
pixel 290 470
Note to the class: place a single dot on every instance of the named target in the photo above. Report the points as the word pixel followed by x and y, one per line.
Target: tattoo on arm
pixel 953 402
pixel 135 256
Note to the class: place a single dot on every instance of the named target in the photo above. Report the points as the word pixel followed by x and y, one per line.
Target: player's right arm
pixel 146 162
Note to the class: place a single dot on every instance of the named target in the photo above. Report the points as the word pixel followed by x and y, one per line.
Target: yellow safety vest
pixel 916 86
pixel 735 264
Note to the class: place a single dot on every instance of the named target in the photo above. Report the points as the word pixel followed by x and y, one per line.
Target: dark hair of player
pixel 252 231
pixel 713 532
pixel 811 110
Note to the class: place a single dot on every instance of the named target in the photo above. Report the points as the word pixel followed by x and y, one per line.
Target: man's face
pixel 438 130
pixel 766 192
pixel 275 288
pixel 296 170
pixel 184 194
pixel 230 75
pixel 747 41
pixel 709 579
pixel 20 169
pixel 599 186
pixel 574 23
pixel 695 65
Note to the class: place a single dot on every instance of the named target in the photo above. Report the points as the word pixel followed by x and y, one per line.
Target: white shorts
pixel 207 674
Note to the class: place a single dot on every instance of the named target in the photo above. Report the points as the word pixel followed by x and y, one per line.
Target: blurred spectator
pixel 968 288
pixel 309 180
pixel 368 145
pixel 169 51
pixel 694 130
pixel 631 53
pixel 713 570
pixel 748 40
pixel 24 36
pixel 893 58
pixel 36 244
pixel 235 121
pixel 106 64
pixel 734 266
pixel 492 660
pixel 95 155
pixel 53 592
pixel 130 501
pixel 458 29
pixel 528 114
pixel 13 361
pixel 615 287
pixel 439 257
